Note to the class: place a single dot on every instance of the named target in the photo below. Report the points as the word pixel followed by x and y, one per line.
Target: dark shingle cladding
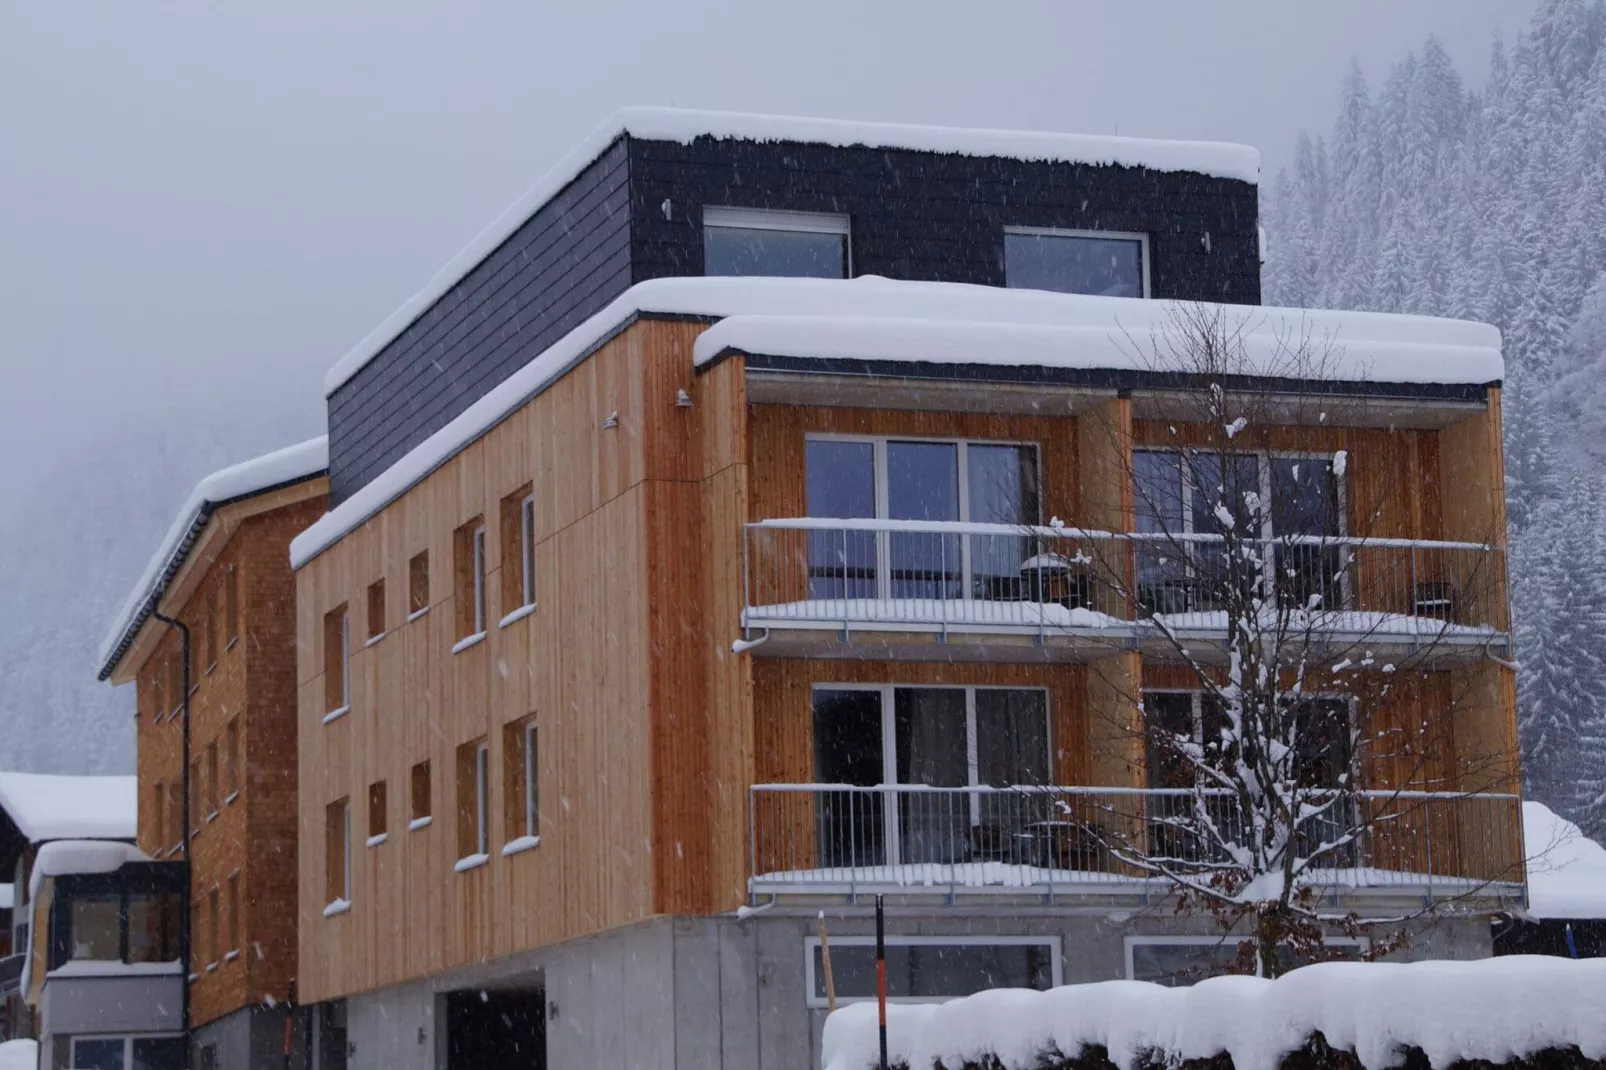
pixel 915 215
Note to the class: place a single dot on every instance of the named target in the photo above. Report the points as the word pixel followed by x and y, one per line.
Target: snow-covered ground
pixel 1492 1009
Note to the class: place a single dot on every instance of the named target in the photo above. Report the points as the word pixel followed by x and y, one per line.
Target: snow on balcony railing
pixel 843 839
pixel 942 576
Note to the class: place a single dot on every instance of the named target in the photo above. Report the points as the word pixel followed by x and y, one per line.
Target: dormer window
pixel 1101 262
pixel 747 241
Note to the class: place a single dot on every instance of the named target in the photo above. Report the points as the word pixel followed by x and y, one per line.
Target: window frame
pixel 1141 237
pixel 231 606
pixel 810 943
pixel 231 738
pixel 128 1040
pixel 1141 940
pixel 733 217
pixel 1263 482
pixel 527 548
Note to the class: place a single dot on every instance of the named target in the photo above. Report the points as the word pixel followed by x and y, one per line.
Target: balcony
pixel 1047 843
pixel 1070 591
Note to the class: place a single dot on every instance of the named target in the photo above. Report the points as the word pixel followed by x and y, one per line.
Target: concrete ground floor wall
pixel 251 1038
pixel 728 993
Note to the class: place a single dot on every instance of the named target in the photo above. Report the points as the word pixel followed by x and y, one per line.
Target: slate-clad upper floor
pixel 635 212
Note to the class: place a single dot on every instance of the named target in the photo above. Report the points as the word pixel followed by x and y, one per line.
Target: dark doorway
pixel 502 1028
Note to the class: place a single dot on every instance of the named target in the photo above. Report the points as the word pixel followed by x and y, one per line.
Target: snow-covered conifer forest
pixel 1429 198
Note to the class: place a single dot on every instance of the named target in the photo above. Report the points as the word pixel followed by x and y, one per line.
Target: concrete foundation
pixel 723 993
pixel 251 1038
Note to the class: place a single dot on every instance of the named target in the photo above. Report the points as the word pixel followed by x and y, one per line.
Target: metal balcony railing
pixel 843 840
pixel 938 576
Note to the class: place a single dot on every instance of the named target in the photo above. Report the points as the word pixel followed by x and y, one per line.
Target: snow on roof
pixel 912 319
pixel 7 897
pixel 1566 869
pixel 19 1055
pixel 1490 1009
pixel 289 465
pixel 61 858
pixel 48 807
pixel 1220 159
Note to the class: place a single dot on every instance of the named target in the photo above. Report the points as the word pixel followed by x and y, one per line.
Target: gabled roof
pixel 1219 159
pixel 939 322
pixel 46 807
pixel 282 468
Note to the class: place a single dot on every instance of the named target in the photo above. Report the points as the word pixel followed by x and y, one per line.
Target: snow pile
pixel 1566 869
pixel 1494 1009
pixel 63 857
pixel 47 807
pixel 19 1055
pixel 289 465
pixel 685 126
pixel 1438 350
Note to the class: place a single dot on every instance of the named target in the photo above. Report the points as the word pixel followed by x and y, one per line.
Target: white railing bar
pixel 1041 789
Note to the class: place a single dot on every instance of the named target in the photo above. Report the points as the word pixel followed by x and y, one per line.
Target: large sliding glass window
pixel 936 737
pixel 1107 263
pixel 933 967
pixel 920 480
pixel 745 241
pixel 1257 495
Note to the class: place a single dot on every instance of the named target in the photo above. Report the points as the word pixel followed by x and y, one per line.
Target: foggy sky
pixel 203 207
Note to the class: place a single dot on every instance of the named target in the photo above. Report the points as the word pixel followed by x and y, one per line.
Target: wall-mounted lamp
pixel 682 399
pixel 611 421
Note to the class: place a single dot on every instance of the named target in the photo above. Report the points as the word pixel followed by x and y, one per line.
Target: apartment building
pixel 709 549
pixel 216 742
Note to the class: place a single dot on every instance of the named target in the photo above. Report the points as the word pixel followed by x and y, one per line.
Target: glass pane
pixel 788 253
pixel 1304 502
pixel 153 928
pixel 1169 713
pixel 930 748
pixel 1073 264
pixel 97 928
pixel 935 970
pixel 161 1053
pixel 1002 481
pixel 923 484
pixel 1162 563
pixel 1225 489
pixel 101 1053
pixel 1179 965
pixel 840 479
pixel 1011 737
pixel 847 750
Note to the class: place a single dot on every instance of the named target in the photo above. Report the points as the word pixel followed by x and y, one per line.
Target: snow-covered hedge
pixel 1526 1010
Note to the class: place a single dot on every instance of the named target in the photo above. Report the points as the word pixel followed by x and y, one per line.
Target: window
pixel 1179 961
pixel 97 927
pixel 472 839
pixel 521 783
pixel 214 926
pixel 1108 263
pixel 195 786
pixel 376 811
pixel 125 1053
pixel 896 479
pixel 336 659
pixel 211 779
pixel 159 817
pixel 938 737
pixel 1197 492
pixel 741 241
pixel 469 551
pixel 232 932
pixel 418 584
pixel 231 742
pixel 176 812
pixel 209 633
pixel 231 606
pixel 175 679
pixel 376 609
pixel 158 695
pixel 337 852
pixel 420 794
pixel 518 551
pixel 153 926
pixel 923 968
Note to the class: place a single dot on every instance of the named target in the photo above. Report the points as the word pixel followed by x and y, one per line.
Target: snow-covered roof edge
pixel 872 298
pixel 293 464
pixel 1219 159
pixel 50 806
pixel 1566 870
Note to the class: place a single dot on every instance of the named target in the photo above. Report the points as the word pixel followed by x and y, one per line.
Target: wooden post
pixel 881 973
pixel 825 962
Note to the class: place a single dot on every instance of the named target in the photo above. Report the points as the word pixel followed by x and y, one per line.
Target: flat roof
pixel 45 806
pixel 1218 159
pixel 956 323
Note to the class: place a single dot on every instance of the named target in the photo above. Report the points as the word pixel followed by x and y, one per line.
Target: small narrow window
pixel 175 681
pixel 211 634
pixel 159 816
pixel 518 550
pixel 743 241
pixel 158 699
pixel 469 549
pixel 337 852
pixel 471 786
pixel 175 825
pixel 336 659
pixel 233 930
pixel 420 794
pixel 197 655
pixel 521 812
pixel 418 583
pixel 231 606
pixel 211 779
pixel 376 810
pixel 195 788
pixel 214 939
pixel 231 759
pixel 376 609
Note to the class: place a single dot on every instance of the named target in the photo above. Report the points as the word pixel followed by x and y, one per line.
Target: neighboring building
pixel 224 571
pixel 538 781
pixel 37 810
pixel 1566 912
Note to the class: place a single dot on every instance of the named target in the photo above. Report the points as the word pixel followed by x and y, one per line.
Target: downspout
pixel 184 821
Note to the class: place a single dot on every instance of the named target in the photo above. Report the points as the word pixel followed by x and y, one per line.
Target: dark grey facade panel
pixel 565 263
